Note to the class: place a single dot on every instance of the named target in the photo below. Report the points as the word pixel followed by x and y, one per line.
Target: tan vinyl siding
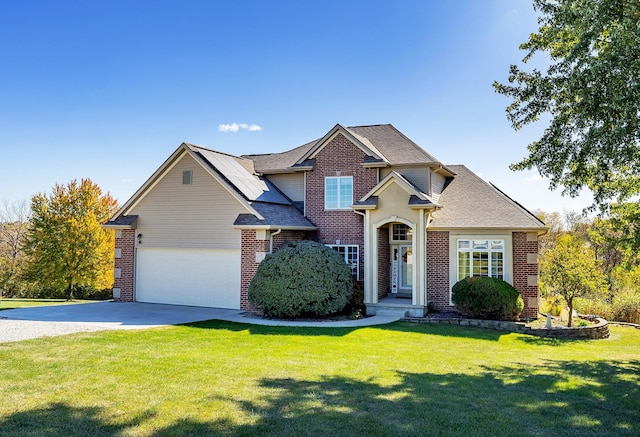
pixel 292 185
pixel 418 176
pixel 199 215
pixel 437 185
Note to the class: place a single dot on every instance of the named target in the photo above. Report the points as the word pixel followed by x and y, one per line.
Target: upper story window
pixel 481 258
pixel 338 192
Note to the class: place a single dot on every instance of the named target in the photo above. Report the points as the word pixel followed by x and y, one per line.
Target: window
pixel 400 232
pixel 481 258
pixel 338 192
pixel 350 255
pixel 187 176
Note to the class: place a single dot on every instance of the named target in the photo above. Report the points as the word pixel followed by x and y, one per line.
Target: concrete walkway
pixel 33 322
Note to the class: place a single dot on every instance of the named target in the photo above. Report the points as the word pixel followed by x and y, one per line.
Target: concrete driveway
pixel 33 322
pixel 46 321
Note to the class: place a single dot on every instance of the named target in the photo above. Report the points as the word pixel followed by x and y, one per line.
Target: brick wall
pixel 525 271
pixel 339 158
pixel 384 262
pixel 124 264
pixel 438 269
pixel 249 262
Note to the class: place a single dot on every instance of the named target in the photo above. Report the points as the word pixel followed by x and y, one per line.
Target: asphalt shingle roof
pixel 393 145
pixel 384 139
pixel 470 202
pixel 286 216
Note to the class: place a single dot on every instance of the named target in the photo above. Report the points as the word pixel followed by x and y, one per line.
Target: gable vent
pixel 187 177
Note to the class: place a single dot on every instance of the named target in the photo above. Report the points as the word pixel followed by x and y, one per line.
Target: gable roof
pixel 237 176
pixel 383 143
pixel 417 199
pixel 470 202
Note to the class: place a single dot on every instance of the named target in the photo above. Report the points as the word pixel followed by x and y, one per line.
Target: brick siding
pixel 438 270
pixel 125 244
pixel 339 157
pixel 384 262
pixel 524 272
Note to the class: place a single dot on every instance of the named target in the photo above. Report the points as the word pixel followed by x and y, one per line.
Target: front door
pixel 406 269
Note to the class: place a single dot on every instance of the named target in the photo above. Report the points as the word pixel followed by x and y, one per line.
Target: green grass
pixel 11 303
pixel 216 378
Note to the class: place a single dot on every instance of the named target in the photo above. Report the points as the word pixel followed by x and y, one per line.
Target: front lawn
pixel 217 378
pixel 11 303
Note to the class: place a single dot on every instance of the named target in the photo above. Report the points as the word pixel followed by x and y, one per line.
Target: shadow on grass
pixel 270 330
pixel 60 419
pixel 426 328
pixel 560 398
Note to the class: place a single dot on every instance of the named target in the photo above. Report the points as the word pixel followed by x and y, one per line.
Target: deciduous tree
pixel 590 95
pixel 66 244
pixel 14 223
pixel 570 270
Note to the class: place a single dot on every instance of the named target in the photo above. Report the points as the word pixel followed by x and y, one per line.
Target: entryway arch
pixel 393 255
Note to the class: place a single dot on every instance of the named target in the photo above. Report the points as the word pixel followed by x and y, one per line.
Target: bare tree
pixel 14 224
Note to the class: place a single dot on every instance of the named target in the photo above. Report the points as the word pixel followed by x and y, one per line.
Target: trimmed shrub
pixel 302 279
pixel 482 297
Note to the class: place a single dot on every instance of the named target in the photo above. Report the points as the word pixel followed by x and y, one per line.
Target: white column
pixel 369 261
pixel 419 267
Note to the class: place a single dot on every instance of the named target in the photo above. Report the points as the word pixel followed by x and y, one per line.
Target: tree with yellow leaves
pixel 66 245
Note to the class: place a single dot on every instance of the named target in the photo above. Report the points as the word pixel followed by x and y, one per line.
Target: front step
pixel 391 312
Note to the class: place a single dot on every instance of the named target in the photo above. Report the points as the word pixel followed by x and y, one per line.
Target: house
pixel 409 226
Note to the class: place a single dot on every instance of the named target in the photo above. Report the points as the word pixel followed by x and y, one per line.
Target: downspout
pixel 271 239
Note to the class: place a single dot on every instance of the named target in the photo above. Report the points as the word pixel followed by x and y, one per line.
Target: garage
pixel 195 277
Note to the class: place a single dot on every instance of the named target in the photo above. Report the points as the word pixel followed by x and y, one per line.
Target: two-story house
pixel 409 226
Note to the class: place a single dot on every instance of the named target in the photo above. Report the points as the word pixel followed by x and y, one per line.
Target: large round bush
pixel 487 298
pixel 302 279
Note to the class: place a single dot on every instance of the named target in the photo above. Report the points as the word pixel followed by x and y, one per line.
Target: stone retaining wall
pixel 599 330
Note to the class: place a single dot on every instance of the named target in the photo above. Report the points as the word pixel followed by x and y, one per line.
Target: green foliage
pixel 487 298
pixel 590 93
pixel 66 245
pixel 626 306
pixel 570 270
pixel 301 279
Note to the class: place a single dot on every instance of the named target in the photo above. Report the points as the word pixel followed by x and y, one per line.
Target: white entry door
pixel 406 268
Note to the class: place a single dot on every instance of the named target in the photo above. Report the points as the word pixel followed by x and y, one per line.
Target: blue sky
pixel 108 90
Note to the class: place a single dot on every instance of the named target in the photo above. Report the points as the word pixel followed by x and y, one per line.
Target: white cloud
pixel 535 177
pixel 235 127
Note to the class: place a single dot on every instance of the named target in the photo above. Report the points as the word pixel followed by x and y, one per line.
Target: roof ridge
pixel 216 151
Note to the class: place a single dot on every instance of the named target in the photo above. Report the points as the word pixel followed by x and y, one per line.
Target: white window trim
pixel 489 250
pixel 507 266
pixel 338 208
pixel 409 231
pixel 346 253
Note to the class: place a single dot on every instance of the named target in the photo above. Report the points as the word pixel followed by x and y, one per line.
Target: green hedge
pixel 302 279
pixel 487 298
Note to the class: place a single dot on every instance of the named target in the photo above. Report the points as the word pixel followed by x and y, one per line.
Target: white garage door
pixel 209 278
